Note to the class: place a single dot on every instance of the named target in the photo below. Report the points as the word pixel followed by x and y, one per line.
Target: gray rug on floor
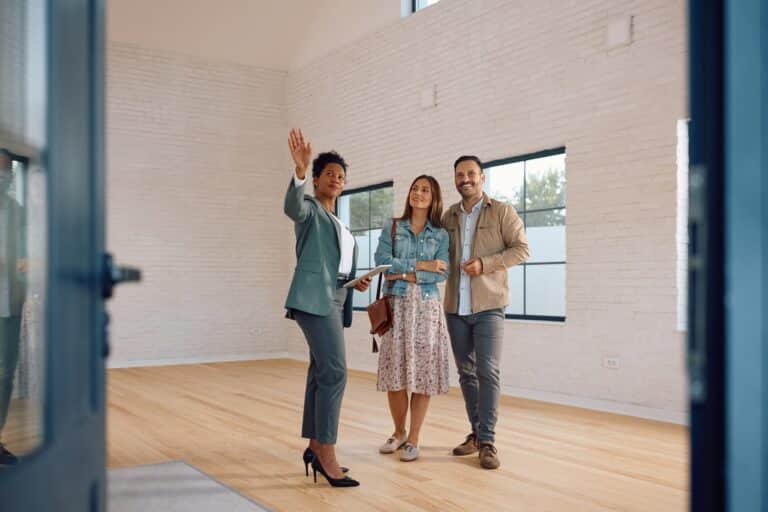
pixel 172 487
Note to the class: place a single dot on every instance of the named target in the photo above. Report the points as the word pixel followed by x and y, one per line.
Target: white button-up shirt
pixel 347 241
pixel 468 226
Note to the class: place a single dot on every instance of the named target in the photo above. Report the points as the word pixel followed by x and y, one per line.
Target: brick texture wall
pixel 513 78
pixel 193 150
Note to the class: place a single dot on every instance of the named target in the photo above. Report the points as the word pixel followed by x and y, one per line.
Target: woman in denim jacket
pixel 414 353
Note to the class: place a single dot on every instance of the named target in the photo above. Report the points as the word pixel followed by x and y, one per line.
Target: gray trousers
pixel 327 373
pixel 10 330
pixel 476 341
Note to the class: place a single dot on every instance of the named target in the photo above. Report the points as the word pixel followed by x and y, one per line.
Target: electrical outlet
pixel 429 97
pixel 612 363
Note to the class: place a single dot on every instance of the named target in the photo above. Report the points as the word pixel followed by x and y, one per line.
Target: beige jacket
pixel 499 242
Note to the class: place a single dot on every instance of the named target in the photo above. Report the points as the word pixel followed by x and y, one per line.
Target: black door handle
pixel 114 275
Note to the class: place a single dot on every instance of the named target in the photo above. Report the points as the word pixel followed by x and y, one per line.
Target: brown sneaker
pixel 489 458
pixel 468 447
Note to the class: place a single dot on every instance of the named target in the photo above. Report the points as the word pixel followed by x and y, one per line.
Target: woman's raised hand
pixel 301 151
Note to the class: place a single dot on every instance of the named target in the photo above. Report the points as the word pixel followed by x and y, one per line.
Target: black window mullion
pixel 538 318
pixel 523 158
pixel 538 210
pixel 525 218
pixel 370 263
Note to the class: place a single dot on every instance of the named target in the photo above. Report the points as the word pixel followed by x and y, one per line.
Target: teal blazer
pixel 318 251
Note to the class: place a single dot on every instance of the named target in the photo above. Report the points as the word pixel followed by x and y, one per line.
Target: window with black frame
pixel 417 5
pixel 535 185
pixel 365 210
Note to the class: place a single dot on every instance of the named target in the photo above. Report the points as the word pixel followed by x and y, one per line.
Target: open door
pixel 746 254
pixel 53 271
pixel 728 322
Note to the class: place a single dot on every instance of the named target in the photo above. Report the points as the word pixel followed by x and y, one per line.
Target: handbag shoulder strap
pixel 392 234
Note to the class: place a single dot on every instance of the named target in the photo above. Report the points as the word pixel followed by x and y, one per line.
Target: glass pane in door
pixel 22 228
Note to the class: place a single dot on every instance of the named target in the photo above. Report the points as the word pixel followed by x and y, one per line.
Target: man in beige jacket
pixel 486 238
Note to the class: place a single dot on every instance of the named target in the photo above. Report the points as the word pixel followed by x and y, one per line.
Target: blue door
pixel 54 276
pixel 728 346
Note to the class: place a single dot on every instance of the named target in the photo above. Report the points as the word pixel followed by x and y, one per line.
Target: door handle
pixel 115 274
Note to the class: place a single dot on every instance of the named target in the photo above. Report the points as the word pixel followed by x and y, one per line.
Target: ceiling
pixel 275 34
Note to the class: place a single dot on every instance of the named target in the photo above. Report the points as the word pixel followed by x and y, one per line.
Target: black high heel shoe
pixel 309 456
pixel 335 482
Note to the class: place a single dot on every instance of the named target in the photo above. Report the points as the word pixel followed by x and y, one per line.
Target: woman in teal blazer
pixel 326 256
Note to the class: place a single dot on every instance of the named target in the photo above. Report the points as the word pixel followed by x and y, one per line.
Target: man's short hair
pixel 471 158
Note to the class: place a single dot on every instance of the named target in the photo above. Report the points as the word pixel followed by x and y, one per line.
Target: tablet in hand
pixel 371 273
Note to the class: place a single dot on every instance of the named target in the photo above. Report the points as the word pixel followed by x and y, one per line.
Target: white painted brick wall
pixel 193 151
pixel 194 145
pixel 513 78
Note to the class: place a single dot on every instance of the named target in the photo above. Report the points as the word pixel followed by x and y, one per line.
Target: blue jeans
pixel 477 340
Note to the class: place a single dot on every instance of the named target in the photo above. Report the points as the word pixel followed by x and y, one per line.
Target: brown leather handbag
pixel 380 312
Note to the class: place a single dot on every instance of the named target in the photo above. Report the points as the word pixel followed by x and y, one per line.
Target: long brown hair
pixel 435 212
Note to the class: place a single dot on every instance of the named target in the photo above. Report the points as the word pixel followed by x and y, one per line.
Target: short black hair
pixel 323 159
pixel 471 158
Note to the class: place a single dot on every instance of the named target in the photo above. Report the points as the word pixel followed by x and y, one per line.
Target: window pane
pixel 374 243
pixel 545 218
pixel 364 259
pixel 381 206
pixel 342 210
pixel 16 190
pixel 505 183
pixel 546 235
pixel 359 211
pixel 545 182
pixel 362 299
pixel 515 280
pixel 22 237
pixel 420 4
pixel 545 290
pixel 362 211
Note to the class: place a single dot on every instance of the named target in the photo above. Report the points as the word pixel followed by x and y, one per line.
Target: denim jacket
pixel 430 244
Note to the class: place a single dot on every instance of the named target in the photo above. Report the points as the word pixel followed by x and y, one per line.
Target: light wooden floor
pixel 23 431
pixel 239 422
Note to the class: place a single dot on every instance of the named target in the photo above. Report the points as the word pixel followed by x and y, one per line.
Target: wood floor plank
pixel 240 422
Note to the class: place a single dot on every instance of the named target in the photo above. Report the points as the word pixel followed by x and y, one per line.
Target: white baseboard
pixel 298 356
pixel 133 363
pixel 638 411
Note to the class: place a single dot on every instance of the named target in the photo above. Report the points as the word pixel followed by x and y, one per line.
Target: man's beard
pixel 468 194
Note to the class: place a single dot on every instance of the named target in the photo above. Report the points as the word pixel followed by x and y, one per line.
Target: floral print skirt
pixel 413 354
